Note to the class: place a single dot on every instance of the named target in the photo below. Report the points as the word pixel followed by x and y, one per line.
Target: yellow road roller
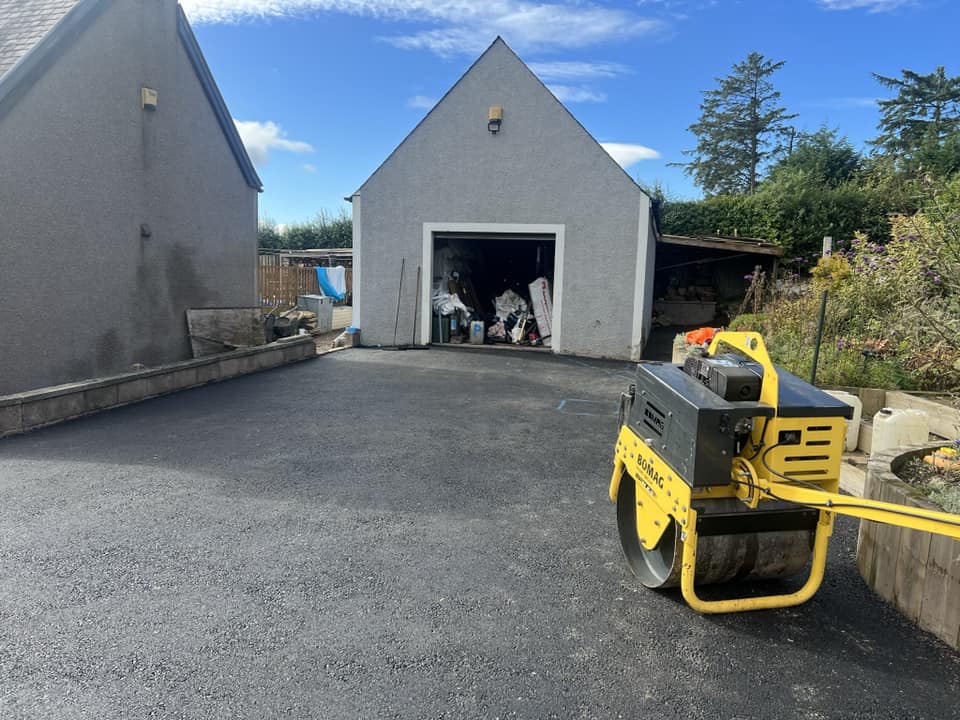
pixel 728 468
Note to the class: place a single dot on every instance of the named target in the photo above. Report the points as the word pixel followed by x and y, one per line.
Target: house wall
pixel 542 168
pixel 82 293
pixel 649 267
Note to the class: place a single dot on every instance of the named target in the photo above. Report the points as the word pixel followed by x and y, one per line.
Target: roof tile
pixel 23 23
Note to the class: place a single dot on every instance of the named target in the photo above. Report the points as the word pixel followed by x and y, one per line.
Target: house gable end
pixel 217 103
pixel 513 72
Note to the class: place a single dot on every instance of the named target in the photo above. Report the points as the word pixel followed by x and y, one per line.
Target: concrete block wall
pixel 917 572
pixel 27 411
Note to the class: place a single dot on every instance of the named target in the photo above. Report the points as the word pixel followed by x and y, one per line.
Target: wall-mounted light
pixel 494 118
pixel 148 99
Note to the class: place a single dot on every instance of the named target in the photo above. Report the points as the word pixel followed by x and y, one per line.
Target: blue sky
pixel 324 90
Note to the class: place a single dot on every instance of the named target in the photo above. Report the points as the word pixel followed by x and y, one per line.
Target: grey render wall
pixel 81 293
pixel 649 263
pixel 542 168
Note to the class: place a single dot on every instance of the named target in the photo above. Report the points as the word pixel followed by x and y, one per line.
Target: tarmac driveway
pixel 394 534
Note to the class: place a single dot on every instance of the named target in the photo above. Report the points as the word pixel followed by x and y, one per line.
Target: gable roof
pixel 33 34
pixel 499 41
pixel 217 103
pixel 23 23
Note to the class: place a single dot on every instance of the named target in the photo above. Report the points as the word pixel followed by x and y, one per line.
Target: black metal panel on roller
pixel 686 424
pixel 798 398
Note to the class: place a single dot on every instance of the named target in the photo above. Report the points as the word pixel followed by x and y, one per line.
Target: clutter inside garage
pixel 489 290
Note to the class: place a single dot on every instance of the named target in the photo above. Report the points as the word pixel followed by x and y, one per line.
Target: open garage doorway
pixel 492 284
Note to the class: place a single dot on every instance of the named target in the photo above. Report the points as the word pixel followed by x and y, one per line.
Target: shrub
pixel 747 322
pixel 893 311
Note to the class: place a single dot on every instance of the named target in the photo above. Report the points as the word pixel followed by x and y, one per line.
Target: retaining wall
pixel 34 409
pixel 917 572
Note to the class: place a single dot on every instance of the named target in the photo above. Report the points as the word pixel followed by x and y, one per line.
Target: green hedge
pixel 793 213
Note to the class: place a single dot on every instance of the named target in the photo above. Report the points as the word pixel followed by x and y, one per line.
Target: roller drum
pixel 720 558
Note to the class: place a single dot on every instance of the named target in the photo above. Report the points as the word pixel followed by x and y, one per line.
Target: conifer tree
pixel 741 127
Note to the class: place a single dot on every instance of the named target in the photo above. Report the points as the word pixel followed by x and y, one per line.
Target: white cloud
pixel 874 6
pixel 570 94
pixel 309 167
pixel 626 154
pixel 843 102
pixel 460 26
pixel 561 71
pixel 262 137
pixel 421 101
pixel 858 101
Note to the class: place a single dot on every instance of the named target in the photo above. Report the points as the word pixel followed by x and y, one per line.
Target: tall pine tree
pixel 924 113
pixel 741 127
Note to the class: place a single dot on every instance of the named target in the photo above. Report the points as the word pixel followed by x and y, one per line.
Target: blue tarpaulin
pixel 333 281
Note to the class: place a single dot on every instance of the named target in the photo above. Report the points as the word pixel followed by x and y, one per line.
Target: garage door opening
pixel 493 288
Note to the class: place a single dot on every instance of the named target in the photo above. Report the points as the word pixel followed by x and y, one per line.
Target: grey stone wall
pixel 82 294
pixel 541 168
pixel 23 412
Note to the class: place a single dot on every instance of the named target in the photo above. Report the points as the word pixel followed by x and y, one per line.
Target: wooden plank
pixel 867 538
pixel 940 611
pixel 944 420
pixel 911 570
pixel 213 330
pixel 887 544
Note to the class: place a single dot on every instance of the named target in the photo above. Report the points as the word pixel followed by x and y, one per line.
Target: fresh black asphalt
pixel 381 534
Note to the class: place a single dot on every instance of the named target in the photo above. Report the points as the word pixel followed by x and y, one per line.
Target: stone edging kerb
pixel 34 409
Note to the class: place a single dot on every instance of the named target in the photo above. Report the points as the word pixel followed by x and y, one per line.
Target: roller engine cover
pixel 695 430
pixel 725 376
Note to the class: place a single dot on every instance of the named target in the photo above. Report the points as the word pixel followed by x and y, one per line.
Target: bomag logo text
pixel 653 419
pixel 648 469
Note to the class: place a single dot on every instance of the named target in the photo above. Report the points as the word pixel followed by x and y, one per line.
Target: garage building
pixel 501 184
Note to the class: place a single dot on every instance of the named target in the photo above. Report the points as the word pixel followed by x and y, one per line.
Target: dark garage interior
pixel 479 269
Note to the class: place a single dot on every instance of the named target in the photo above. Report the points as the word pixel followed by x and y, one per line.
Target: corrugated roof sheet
pixel 23 23
pixel 725 242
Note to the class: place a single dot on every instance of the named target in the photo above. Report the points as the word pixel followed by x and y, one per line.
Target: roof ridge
pixel 430 112
pixel 498 39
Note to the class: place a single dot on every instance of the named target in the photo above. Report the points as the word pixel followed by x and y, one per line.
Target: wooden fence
pixel 281 284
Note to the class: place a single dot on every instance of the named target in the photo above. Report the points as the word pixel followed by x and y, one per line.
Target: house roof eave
pixel 217 103
pixel 33 63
